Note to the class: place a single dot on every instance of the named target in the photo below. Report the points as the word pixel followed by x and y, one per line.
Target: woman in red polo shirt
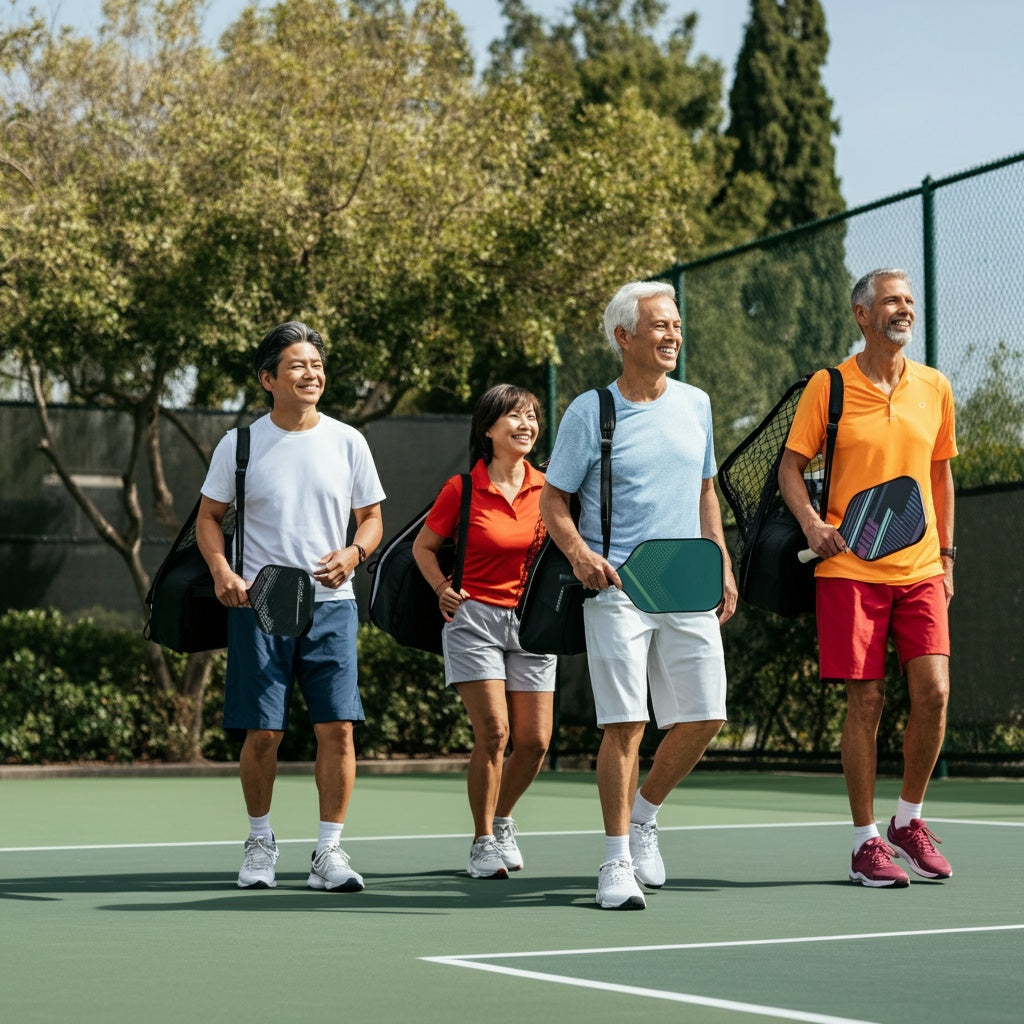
pixel 508 692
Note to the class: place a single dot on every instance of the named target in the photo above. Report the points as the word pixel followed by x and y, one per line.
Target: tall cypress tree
pixel 780 114
pixel 791 299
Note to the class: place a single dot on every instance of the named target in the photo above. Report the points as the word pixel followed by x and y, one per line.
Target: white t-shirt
pixel 300 489
pixel 661 452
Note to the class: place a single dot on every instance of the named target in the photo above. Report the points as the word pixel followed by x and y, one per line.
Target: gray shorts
pixel 482 642
pixel 677 655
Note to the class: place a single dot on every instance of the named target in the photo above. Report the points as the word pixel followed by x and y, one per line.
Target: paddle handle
pixel 807 555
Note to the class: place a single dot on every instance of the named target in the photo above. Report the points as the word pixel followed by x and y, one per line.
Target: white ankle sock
pixel 261 827
pixel 862 833
pixel 330 832
pixel 643 810
pixel 616 848
pixel 905 812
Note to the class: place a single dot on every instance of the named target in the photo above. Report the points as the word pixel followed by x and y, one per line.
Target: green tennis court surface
pixel 118 903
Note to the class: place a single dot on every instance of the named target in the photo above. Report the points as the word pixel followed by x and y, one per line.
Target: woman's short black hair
pixel 490 407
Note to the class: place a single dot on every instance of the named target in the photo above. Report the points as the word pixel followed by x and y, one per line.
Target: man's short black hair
pixel 268 355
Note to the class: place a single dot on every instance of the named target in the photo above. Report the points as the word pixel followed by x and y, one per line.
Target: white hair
pixel 624 309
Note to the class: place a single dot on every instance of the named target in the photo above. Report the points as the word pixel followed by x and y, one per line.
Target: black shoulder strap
pixel 241 465
pixel 835 411
pixel 463 531
pixel 607 429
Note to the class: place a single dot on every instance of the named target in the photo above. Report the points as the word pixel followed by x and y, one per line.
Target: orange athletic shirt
pixel 880 437
pixel 499 533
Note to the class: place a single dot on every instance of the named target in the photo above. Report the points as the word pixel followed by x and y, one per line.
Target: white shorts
pixel 482 642
pixel 677 656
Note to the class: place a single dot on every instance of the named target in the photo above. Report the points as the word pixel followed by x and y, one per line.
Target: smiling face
pixel 654 348
pixel 299 380
pixel 515 432
pixel 890 316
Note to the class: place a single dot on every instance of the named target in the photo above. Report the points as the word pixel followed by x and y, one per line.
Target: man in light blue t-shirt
pixel 663 468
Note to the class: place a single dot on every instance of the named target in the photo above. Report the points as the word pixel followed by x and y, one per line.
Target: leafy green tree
pixel 784 308
pixel 990 425
pixel 163 204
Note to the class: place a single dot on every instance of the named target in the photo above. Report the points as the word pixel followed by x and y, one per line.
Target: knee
pixel 532 746
pixel 492 736
pixel 864 703
pixel 930 699
pixel 263 743
pixel 335 737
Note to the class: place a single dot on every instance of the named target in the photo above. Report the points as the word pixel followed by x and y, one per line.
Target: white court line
pixel 465 835
pixel 473 961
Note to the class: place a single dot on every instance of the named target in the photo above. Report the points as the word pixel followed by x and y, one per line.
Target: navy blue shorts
pixel 263 669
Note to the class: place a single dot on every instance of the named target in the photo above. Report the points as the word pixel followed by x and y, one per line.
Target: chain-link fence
pixel 759 316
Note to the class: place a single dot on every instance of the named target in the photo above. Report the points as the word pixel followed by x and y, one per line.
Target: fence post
pixel 931 341
pixel 552 405
pixel 677 283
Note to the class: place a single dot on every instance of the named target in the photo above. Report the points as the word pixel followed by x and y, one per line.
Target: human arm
pixel 942 498
pixel 824 540
pixel 593 571
pixel 230 588
pixel 424 549
pixel 337 566
pixel 711 529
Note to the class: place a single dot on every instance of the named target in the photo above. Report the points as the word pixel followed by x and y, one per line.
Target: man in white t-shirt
pixel 307 474
pixel 663 469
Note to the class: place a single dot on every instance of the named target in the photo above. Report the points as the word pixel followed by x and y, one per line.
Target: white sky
pixel 920 87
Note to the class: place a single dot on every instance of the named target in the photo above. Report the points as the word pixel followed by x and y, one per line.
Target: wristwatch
pixel 949 553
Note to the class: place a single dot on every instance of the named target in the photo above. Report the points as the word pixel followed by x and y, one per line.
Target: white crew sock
pixel 862 833
pixel 616 848
pixel 643 810
pixel 260 826
pixel 330 832
pixel 905 812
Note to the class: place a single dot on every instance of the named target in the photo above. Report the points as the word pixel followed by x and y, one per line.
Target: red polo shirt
pixel 499 535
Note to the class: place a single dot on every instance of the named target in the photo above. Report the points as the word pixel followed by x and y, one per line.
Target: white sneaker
pixel 485 859
pixel 617 888
pixel 505 840
pixel 330 870
pixel 648 866
pixel 257 870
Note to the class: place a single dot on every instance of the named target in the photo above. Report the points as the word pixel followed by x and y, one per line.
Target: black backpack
pixel 769 574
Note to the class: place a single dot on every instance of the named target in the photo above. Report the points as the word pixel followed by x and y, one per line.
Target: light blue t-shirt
pixel 661 453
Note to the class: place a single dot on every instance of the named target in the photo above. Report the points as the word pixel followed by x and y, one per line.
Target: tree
pixel 785 306
pixel 163 205
pixel 606 49
pixel 780 114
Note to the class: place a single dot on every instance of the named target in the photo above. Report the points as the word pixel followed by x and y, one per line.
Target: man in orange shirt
pixel 898 420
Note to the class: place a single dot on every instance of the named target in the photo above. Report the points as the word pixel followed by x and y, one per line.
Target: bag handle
pixel 607 429
pixel 463 530
pixel 835 412
pixel 241 465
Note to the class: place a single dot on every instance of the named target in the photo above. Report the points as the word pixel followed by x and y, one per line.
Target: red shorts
pixel 855 621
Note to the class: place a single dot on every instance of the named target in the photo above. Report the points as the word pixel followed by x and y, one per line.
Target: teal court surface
pixel 118 903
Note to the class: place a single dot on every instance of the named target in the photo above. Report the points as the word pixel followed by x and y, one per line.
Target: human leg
pixel 335 769
pixel 326 670
pixel 258 771
pixel 908 835
pixel 530 720
pixel 865 699
pixel 617 765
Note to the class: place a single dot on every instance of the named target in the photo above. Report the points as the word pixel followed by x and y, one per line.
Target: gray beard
pixel 901 338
